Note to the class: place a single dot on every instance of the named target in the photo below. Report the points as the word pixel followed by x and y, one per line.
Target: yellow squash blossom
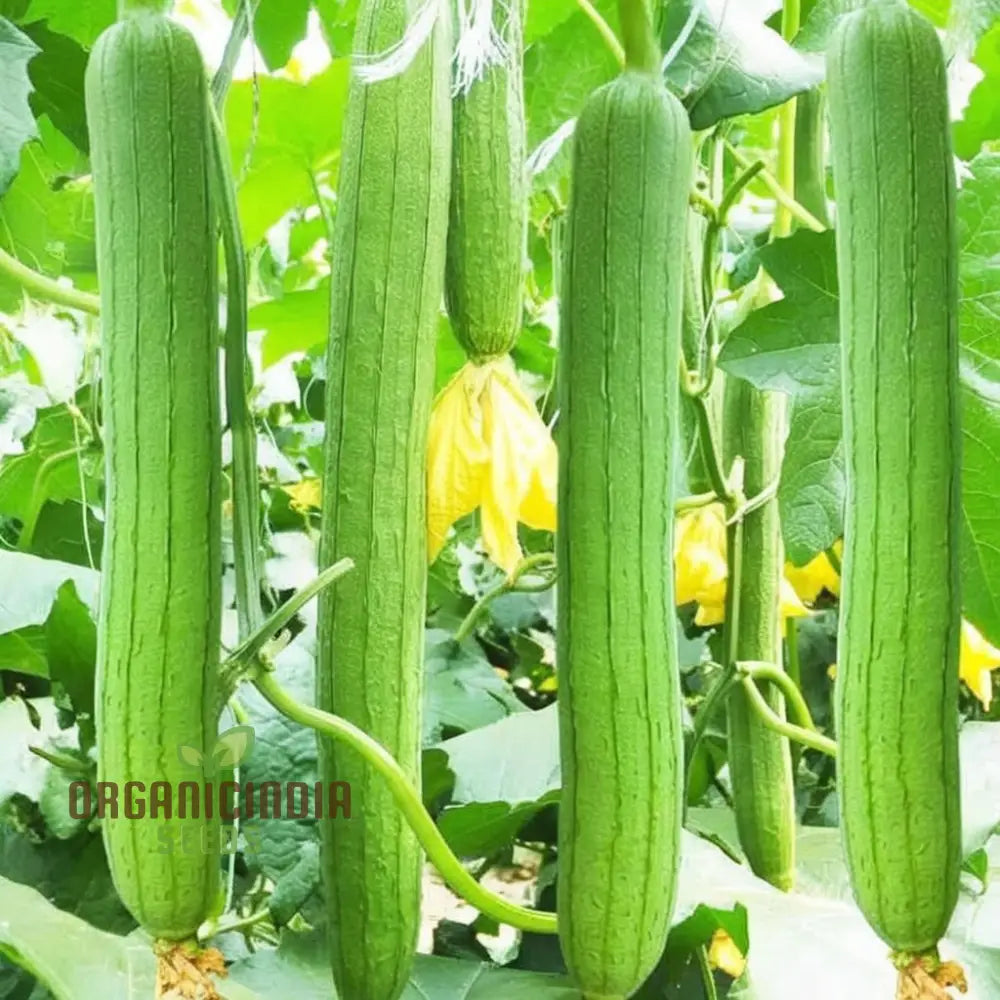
pixel 488 448
pixel 723 954
pixel 976 659
pixel 700 567
pixel 305 495
pixel 816 576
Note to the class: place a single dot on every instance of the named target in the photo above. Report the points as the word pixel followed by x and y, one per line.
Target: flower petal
pixel 457 456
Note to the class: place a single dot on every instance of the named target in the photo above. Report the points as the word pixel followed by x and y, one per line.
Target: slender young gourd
pixel 388 276
pixel 619 699
pixel 897 681
pixel 159 629
pixel 489 200
pixel 760 763
pixel 810 154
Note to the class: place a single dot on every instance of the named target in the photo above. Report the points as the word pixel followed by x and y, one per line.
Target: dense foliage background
pixel 491 769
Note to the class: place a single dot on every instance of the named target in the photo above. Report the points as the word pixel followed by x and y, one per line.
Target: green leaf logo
pixel 233 746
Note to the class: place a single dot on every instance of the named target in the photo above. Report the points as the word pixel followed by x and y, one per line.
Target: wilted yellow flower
pixel 816 576
pixel 700 556
pixel 700 568
pixel 976 659
pixel 488 448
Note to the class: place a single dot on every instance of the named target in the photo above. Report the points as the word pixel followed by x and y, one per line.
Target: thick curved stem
pixel 42 287
pixel 409 802
pixel 773 721
pixel 789 689
pixel 506 586
pixel 642 49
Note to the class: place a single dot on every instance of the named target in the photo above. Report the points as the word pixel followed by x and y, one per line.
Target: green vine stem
pixel 213 928
pixel 508 585
pixel 772 720
pixel 246 503
pixel 793 669
pixel 238 34
pixel 642 50
pixel 768 672
pixel 790 17
pixel 248 654
pixel 715 698
pixel 781 195
pixel 45 288
pixel 610 38
pixel 707 978
pixel 410 804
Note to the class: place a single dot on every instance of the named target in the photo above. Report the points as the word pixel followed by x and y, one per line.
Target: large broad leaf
pixel 47 215
pixel 501 776
pixel 25 608
pixel 57 74
pixel 82 21
pixel 792 346
pixel 563 66
pixel 278 26
pixel 981 118
pixel 283 135
pixel 728 62
pixel 17 124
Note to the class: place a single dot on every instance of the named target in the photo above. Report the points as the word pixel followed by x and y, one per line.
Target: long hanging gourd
pixel 619 696
pixel 159 628
pixel 760 763
pixel 489 197
pixel 897 682
pixel 388 275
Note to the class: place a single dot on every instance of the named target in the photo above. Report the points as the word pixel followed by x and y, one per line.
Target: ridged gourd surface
pixel 489 201
pixel 159 629
pixel 619 707
pixel 897 681
pixel 388 277
pixel 760 763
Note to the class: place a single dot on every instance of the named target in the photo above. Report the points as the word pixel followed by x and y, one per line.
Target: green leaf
pixel 503 774
pixel 336 18
pixel 17 124
pixel 732 63
pixel 82 21
pixel 25 608
pixel 74 960
pixel 792 346
pixel 298 321
pixel 278 148
pixel 543 18
pixel 562 68
pixel 71 874
pixel 71 648
pixel 461 689
pixel 57 75
pixel 47 215
pixel 981 118
pixel 300 968
pixel 278 26
pixel 48 470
